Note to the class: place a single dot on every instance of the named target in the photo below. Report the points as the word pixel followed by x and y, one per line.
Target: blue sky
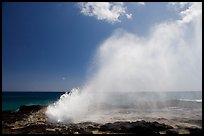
pixel 50 46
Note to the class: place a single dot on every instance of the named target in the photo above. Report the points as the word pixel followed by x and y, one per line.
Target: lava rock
pixel 172 132
pixel 139 127
pixel 32 108
pixel 195 131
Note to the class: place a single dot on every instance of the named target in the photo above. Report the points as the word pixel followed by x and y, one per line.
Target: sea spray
pixel 64 108
pixel 168 59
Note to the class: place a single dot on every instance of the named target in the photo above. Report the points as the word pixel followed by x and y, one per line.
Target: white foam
pixel 190 100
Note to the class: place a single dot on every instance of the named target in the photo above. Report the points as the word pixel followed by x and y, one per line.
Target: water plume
pixel 168 59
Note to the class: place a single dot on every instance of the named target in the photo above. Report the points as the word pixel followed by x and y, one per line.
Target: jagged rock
pixel 27 109
pixel 50 130
pixel 172 132
pixel 195 131
pixel 139 127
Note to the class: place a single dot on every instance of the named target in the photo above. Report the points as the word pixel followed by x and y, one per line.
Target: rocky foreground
pixel 32 120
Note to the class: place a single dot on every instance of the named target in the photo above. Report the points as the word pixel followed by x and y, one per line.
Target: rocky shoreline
pixel 32 120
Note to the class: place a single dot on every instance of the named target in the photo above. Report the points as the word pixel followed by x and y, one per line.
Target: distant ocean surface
pixel 13 100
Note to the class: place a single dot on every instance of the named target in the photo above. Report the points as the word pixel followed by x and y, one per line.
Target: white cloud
pixel 188 10
pixel 108 11
pixel 141 3
pixel 129 16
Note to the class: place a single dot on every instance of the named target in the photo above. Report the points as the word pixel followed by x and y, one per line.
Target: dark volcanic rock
pixel 31 129
pixel 24 111
pixel 139 127
pixel 195 131
pixel 11 117
pixel 158 127
pixel 28 109
pixel 172 132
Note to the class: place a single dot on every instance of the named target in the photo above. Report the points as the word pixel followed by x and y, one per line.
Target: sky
pixel 51 46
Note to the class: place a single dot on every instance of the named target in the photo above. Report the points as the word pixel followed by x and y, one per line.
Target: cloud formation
pixel 188 10
pixel 141 3
pixel 108 11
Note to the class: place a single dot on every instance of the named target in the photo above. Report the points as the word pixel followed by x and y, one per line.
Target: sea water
pixel 13 100
pixel 180 100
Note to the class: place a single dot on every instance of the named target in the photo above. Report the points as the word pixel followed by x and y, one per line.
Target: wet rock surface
pixel 32 120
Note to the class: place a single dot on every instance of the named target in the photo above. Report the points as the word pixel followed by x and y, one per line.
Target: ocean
pixel 173 100
pixel 13 100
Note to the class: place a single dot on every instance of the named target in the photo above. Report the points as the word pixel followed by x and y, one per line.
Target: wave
pixel 189 100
